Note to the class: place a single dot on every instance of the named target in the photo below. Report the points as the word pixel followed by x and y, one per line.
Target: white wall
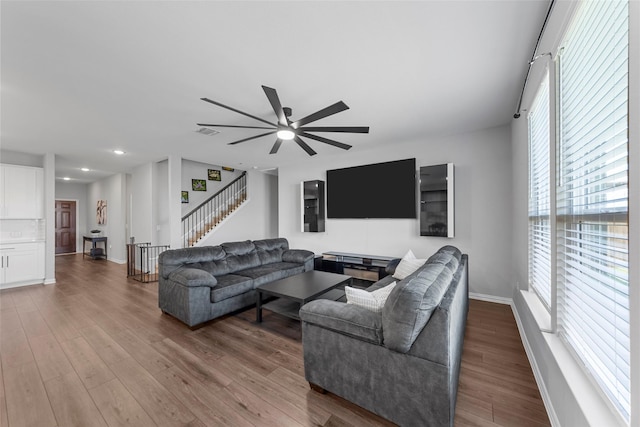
pixel 112 190
pixel 196 170
pixel 78 192
pixel 22 159
pixel 256 218
pixel 483 207
pixel 140 202
pixel 161 203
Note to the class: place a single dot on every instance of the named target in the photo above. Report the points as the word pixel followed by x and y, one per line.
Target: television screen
pixel 380 190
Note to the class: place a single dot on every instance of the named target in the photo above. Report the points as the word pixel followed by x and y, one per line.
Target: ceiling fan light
pixel 286 134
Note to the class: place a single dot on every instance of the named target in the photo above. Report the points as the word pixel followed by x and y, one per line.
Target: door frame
pixel 78 234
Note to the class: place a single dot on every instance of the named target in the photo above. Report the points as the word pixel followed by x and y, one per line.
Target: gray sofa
pixel 201 283
pixel 403 363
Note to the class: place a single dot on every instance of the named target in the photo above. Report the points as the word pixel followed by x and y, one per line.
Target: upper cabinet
pixel 313 206
pixel 436 200
pixel 21 195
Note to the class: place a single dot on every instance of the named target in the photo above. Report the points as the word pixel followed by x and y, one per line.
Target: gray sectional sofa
pixel 403 363
pixel 201 283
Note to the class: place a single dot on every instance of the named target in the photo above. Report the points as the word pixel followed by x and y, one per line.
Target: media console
pixel 365 267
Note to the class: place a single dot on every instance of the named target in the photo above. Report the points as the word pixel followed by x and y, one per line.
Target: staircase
pixel 203 219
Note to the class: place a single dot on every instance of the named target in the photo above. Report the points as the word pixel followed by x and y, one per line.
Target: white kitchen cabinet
pixel 21 264
pixel 22 192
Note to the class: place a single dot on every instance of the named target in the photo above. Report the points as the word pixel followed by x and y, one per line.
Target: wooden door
pixel 65 226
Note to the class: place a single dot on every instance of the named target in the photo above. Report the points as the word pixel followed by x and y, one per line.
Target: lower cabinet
pixel 22 264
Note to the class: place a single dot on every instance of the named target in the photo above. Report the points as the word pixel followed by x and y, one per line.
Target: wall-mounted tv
pixel 380 190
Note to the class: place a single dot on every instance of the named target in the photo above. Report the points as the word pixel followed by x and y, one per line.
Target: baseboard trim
pixel 491 298
pixel 544 393
pixel 50 281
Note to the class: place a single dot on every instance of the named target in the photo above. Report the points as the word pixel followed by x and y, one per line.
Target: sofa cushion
pixel 411 304
pixel 270 272
pixel 448 256
pixel 241 255
pixel 270 250
pixel 193 277
pixel 298 256
pixel 174 259
pixel 373 301
pixel 345 319
pixel 229 286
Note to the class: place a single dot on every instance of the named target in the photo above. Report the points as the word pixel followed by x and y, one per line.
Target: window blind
pixel 592 218
pixel 540 195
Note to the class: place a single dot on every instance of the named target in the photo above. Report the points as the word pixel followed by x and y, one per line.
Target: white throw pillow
pixel 408 264
pixel 373 301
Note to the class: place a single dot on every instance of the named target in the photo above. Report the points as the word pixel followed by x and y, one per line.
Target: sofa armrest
pixel 346 319
pixel 299 256
pixel 391 267
pixel 192 277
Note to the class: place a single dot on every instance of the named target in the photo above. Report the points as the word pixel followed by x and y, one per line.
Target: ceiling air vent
pixel 207 131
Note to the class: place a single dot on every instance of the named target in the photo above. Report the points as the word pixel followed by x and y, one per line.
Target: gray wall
pixel 483 203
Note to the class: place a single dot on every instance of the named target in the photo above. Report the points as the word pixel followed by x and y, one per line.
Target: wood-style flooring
pixel 95 350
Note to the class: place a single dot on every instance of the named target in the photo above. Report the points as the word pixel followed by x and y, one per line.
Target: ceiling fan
pixel 286 129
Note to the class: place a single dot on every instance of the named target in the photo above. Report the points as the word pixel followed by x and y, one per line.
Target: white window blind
pixel 592 217
pixel 540 195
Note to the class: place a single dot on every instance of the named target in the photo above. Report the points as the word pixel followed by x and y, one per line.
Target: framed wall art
pixel 199 185
pixel 214 175
pixel 184 196
pixel 101 212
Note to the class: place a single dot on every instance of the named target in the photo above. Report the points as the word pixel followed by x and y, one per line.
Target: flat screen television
pixel 380 190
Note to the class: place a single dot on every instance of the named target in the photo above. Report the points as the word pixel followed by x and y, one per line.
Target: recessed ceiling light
pixel 84 169
pixel 118 152
pixel 66 178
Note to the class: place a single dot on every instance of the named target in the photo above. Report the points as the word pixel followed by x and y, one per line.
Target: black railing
pixel 142 261
pixel 212 211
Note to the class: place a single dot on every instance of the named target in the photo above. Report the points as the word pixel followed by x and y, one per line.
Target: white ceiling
pixel 80 79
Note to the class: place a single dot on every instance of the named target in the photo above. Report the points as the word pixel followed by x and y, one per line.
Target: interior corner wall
pixel 140 203
pixel 161 202
pixel 113 190
pixel 257 218
pixel 197 170
pixel 483 206
pixel 74 191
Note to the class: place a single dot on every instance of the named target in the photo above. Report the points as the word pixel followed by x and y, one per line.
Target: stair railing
pixel 212 211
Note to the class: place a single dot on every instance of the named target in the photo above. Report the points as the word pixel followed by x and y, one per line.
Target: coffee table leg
pixel 259 307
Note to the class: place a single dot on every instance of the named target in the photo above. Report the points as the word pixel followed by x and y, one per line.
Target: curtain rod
pixel 534 56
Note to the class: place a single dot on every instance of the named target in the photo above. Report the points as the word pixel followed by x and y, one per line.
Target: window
pixel 591 194
pixel 540 195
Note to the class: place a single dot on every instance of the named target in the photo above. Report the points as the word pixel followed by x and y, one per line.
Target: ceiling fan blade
pixel 237 111
pixel 304 146
pixel 272 96
pixel 276 146
pixel 232 126
pixel 348 129
pixel 325 112
pixel 327 141
pixel 252 137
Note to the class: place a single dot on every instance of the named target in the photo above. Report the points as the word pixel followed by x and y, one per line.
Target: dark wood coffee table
pixel 295 291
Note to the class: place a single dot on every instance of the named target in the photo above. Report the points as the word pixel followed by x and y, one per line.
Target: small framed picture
pixel 214 175
pixel 199 185
pixel 184 196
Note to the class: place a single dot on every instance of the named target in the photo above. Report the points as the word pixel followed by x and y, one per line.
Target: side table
pixel 95 252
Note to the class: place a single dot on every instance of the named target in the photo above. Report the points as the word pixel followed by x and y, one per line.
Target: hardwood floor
pixel 95 350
